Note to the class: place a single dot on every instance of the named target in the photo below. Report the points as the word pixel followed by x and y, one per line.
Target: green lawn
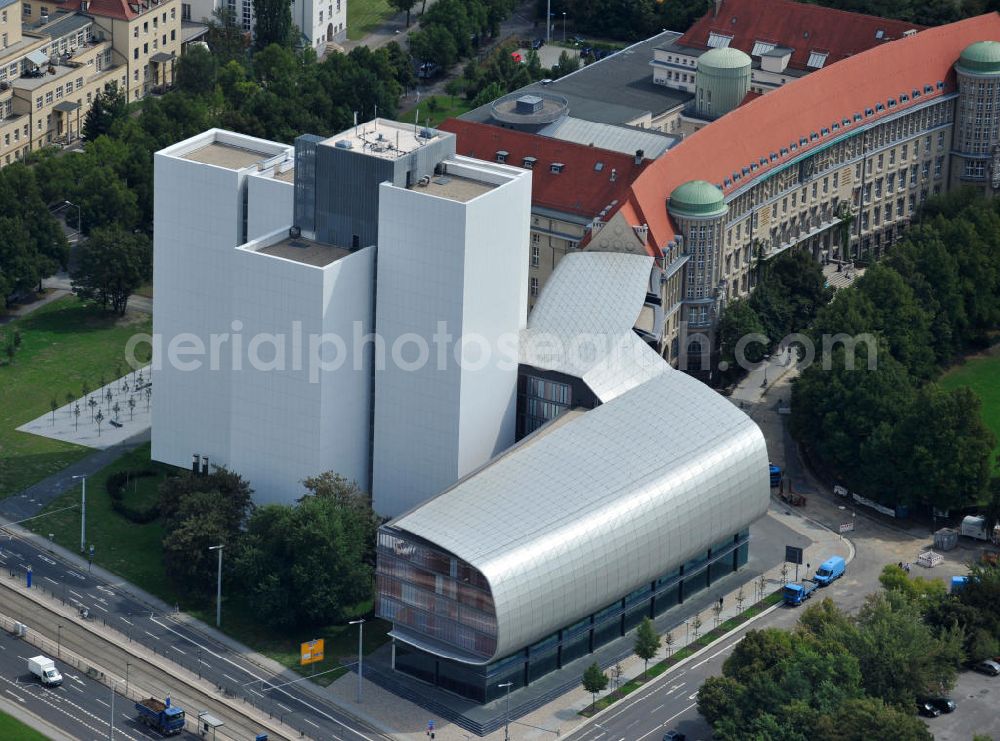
pixel 135 552
pixel 442 108
pixel 12 728
pixel 982 375
pixel 63 345
pixel 364 16
pixel 132 551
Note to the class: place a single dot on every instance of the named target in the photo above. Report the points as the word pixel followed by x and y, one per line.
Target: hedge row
pixel 116 486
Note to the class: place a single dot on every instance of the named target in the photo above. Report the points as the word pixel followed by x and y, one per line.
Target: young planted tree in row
pixel 99 418
pixel 131 408
pixel 696 626
pixel 76 417
pixel 647 643
pixel 594 681
pixel 92 403
pixel 116 409
pixel 54 405
pixel 668 641
pixel 69 402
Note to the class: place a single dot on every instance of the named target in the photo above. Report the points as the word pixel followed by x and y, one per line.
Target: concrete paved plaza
pixel 83 429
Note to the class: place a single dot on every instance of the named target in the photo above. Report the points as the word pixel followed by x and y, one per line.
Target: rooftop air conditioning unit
pixel 424 181
pixel 294 232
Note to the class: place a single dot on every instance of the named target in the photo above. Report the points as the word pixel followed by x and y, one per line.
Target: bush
pixel 116 487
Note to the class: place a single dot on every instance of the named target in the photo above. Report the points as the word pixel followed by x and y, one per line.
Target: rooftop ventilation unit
pixel 426 133
pixel 294 232
pixel 424 181
pixel 343 144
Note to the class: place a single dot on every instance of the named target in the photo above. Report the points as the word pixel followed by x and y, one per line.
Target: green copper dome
pixel 724 58
pixel 697 198
pixel 982 58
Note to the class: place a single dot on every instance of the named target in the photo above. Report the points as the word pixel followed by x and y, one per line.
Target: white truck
pixel 45 669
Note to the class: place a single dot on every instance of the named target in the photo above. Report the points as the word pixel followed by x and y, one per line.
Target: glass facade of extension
pixel 438 596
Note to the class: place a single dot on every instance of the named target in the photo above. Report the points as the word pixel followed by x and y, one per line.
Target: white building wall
pixel 290 418
pixel 199 215
pixel 437 270
pixel 197 227
pixel 321 21
pixel 270 205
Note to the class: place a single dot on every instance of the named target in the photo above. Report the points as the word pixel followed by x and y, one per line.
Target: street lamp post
pixel 218 588
pixel 59 642
pixel 83 513
pixel 360 622
pixel 127 665
pixel 506 722
pixel 548 21
pixel 79 218
pixel 564 26
pixel 111 721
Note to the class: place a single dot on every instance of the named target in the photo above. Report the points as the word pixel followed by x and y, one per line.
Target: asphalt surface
pixel 977 697
pixel 81 706
pixel 279 695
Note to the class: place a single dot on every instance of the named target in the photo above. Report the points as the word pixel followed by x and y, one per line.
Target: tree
pixel 226 38
pixel 54 405
pixel 567 63
pixel 196 71
pixel 738 323
pixel 647 643
pixel 273 23
pixel 318 555
pixel 99 418
pixel 870 717
pixel 404 6
pixel 108 108
pixel 131 408
pixel 696 625
pixel 112 264
pixel 668 641
pixel 116 409
pixel 594 681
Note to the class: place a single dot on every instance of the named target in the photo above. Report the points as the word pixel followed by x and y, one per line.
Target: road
pixel 81 706
pixel 173 640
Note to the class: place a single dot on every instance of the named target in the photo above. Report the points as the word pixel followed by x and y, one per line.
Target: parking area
pixel 977 697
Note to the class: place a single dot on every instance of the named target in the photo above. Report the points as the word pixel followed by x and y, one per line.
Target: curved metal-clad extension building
pixel 567 523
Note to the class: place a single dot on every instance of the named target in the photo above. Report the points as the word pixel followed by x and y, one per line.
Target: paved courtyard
pixel 77 422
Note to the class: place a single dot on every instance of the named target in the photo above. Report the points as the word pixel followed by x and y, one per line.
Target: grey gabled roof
pixel 624 139
pixel 580 514
pixel 582 323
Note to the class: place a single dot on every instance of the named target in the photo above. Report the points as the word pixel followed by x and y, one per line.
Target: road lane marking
pixel 283 707
pixel 51 580
pixel 254 676
pixel 74 687
pixel 717 653
pixel 316 726
pixel 659 728
pixel 125 620
pixel 228 677
pixel 151 635
pixel 178 650
pixel 675 687
pixel 81 577
pixel 76 594
pixel 16 697
pixel 653 711
pixel 99 607
pixel 102 702
pixel 693 696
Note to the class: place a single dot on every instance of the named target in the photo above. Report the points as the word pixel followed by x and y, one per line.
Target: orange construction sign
pixel 312 651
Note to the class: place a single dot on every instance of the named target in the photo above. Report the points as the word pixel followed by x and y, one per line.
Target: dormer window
pixel 761 47
pixel 817 59
pixel 502 156
pixel 718 40
pixel 556 167
pixel 529 162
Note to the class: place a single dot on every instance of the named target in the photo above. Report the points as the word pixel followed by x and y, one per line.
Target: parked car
pixel 538 43
pixel 927 710
pixel 988 667
pixel 427 69
pixel 674 736
pixel 944 704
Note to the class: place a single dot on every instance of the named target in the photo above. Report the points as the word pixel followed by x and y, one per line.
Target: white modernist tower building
pixel 297 290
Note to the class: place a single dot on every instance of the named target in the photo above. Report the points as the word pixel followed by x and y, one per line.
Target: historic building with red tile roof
pixel 573 185
pixel 836 163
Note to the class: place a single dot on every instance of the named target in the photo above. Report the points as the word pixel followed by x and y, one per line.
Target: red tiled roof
pixel 813 103
pixel 119 9
pixel 578 189
pixel 798 26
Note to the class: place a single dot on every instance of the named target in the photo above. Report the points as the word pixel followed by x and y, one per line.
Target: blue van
pixel 830 570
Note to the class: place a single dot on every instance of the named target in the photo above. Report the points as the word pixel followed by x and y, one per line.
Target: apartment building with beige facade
pixel 56 57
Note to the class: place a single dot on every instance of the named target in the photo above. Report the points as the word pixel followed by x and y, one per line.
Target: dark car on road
pixel 674 736
pixel 538 43
pixel 987 667
pixel 927 710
